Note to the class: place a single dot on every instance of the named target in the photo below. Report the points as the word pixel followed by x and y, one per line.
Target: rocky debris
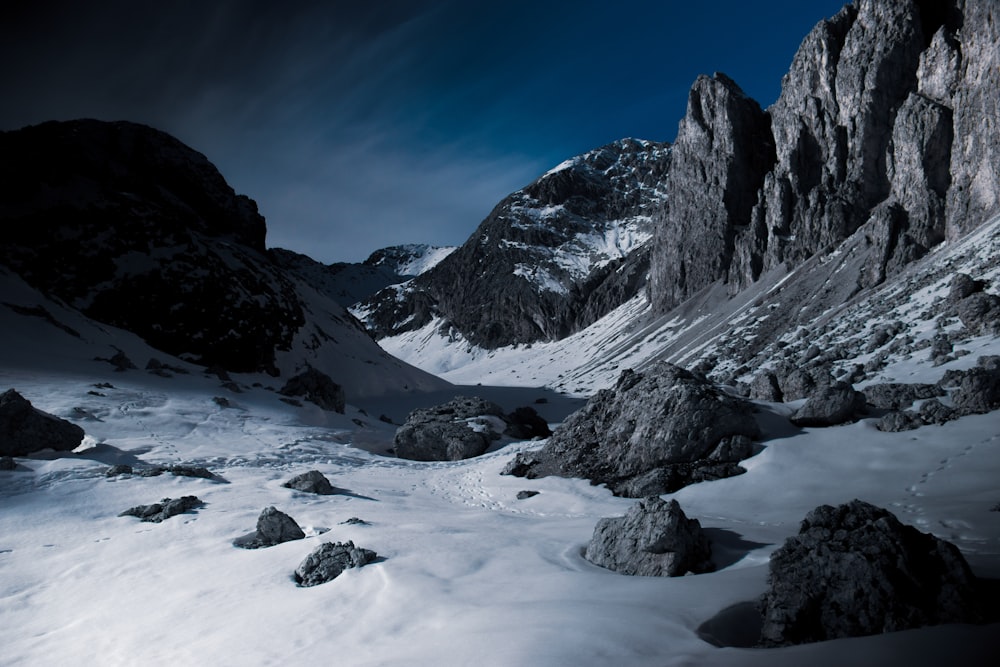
pixel 164 509
pixel 524 423
pixel 7 463
pixel 897 395
pixel 964 286
pixel 765 387
pixel 898 420
pixel 157 367
pixel 855 570
pixel 177 470
pixel 355 521
pixel 329 560
pixel 654 432
pixel 830 405
pixel 459 429
pixel 976 390
pixel 273 527
pixel 311 482
pixel 120 361
pixel 653 539
pixel 316 387
pixel 524 495
pixel 25 429
pixel 118 469
pixel 190 471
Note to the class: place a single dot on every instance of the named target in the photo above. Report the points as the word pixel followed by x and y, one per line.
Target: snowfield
pixel 467 573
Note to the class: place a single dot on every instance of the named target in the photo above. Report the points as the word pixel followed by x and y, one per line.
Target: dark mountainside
pixel 883 144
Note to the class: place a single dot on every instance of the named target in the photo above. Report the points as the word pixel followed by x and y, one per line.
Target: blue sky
pixel 360 125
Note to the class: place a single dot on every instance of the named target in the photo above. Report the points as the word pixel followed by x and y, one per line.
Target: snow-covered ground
pixel 468 574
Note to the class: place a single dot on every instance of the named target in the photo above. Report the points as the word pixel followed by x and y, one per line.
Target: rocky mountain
pixel 134 229
pixel 548 260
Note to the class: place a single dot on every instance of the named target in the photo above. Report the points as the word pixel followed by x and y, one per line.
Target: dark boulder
pixel 899 420
pixel 765 387
pixel 317 388
pixel 976 390
pixel 329 560
pixel 830 405
pixel 654 432
pixel 164 509
pixel 273 527
pixel 311 482
pixel 898 395
pixel 654 539
pixel 525 424
pixel 460 429
pixel 855 570
pixel 25 429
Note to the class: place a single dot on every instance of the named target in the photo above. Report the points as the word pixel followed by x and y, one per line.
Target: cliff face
pixel 887 120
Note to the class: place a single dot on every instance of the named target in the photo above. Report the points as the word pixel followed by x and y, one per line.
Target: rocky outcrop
pixel 855 570
pixel 164 509
pixel 897 395
pixel 25 429
pixel 329 560
pixel 653 539
pixel 273 527
pixel 317 388
pixel 460 429
pixel 830 405
pixel 311 482
pixel 654 432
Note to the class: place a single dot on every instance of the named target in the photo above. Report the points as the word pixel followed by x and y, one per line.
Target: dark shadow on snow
pixel 729 547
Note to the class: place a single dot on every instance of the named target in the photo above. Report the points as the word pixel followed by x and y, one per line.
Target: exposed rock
pixel 316 387
pixel 460 429
pixel 855 570
pixel 524 495
pixel 964 286
pixel 329 560
pixel 25 429
pixel 355 521
pixel 977 390
pixel 980 313
pixel 190 471
pixel 654 539
pixel 898 420
pixel 765 387
pixel 897 395
pixel 828 406
pixel 311 482
pixel 164 509
pixel 934 411
pixel 652 433
pixel 273 527
pixel 119 469
pixel 121 362
pixel 7 463
pixel 525 424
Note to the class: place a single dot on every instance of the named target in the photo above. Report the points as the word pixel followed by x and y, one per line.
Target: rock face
pixel 878 129
pixel 460 429
pixel 855 570
pixel 273 527
pixel 653 539
pixel 830 405
pixel 164 509
pixel 329 560
pixel 549 260
pixel 24 429
pixel 311 482
pixel 317 388
pixel 652 433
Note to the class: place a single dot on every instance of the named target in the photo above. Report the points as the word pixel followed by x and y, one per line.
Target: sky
pixel 356 126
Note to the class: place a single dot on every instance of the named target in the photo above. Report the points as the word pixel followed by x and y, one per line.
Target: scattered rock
pixel 654 432
pixel 311 482
pixel 222 401
pixel 460 429
pixel 524 495
pixel 7 463
pixel 157 367
pixel 977 390
pixel 119 469
pixel 855 570
pixel 897 395
pixel 329 560
pixel 963 286
pixel 980 313
pixel 25 429
pixel 273 527
pixel 164 509
pixel 190 471
pixel 525 424
pixel 936 412
pixel 318 388
pixel 897 420
pixel 654 539
pixel 830 405
pixel 765 387
pixel 355 521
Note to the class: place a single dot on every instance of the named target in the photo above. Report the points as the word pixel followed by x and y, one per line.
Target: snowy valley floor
pixel 468 574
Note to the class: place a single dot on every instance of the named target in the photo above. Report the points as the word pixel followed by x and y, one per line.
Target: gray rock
pixel 964 286
pixel 936 412
pixel 316 387
pixel 898 395
pixel 25 429
pixel 829 406
pixel 164 509
pixel 653 539
pixel 329 560
pixel 977 389
pixel 855 570
pixel 311 482
pixel 765 387
pixel 200 472
pixel 525 424
pixel 524 495
pixel 654 432
pixel 119 469
pixel 273 527
pixel 460 429
pixel 980 313
pixel 898 420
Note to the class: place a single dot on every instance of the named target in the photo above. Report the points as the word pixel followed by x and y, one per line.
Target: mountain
pixel 135 230
pixel 550 259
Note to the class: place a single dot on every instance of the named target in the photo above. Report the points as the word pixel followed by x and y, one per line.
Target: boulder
pixel 311 482
pixel 899 420
pixel 653 433
pixel 316 387
pixel 273 527
pixel 25 429
pixel 525 424
pixel 765 387
pixel 329 560
pixel 654 539
pixel 855 570
pixel 898 395
pixel 164 509
pixel 976 390
pixel 460 429
pixel 963 286
pixel 980 313
pixel 830 405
